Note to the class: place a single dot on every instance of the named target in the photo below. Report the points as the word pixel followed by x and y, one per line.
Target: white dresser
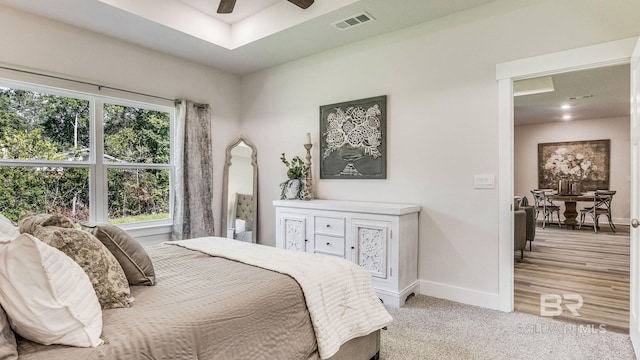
pixel 380 237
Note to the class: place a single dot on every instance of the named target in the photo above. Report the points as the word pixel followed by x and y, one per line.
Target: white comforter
pixel 339 294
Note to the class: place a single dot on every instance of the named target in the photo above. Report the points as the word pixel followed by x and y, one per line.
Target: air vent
pixel 353 21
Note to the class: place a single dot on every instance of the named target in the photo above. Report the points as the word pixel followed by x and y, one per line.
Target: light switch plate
pixel 484 181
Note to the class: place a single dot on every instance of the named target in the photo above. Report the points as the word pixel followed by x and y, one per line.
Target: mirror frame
pixel 225 187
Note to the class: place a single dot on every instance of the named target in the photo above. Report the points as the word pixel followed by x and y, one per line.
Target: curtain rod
pixel 100 87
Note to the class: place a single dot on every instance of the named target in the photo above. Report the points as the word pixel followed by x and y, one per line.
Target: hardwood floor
pixel 595 266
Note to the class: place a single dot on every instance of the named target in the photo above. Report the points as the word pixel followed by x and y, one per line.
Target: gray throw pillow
pixel 134 260
pixel 8 347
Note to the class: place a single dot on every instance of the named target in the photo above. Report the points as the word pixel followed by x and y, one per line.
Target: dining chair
pixel 601 206
pixel 545 206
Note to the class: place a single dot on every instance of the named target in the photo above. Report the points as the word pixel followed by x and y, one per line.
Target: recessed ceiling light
pixel 566 107
pixel 566 117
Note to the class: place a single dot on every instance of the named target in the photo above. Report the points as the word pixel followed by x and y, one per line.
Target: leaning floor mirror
pixel 240 192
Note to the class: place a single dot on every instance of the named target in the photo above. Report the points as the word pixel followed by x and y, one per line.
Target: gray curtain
pixel 193 200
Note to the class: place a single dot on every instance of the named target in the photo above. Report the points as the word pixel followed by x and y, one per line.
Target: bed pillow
pixel 134 260
pixel 29 221
pixel 8 347
pixel 8 231
pixel 47 296
pixel 104 271
pixel 240 226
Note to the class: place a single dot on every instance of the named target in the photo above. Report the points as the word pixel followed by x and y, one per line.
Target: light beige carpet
pixel 429 328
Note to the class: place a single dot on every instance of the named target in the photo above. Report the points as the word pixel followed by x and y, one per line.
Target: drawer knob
pixel 353 248
pixel 329 244
pixel 328 225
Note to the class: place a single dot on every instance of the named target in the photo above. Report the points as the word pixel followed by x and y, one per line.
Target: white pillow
pixel 8 232
pixel 241 226
pixel 47 296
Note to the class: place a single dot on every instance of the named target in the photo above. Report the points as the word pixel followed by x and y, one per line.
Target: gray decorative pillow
pixel 8 347
pixel 134 260
pixel 104 271
pixel 29 221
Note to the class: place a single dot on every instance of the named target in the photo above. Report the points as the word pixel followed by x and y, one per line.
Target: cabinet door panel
pixel 294 231
pixel 372 246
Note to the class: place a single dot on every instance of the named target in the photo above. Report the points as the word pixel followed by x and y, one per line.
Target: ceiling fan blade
pixel 302 3
pixel 226 6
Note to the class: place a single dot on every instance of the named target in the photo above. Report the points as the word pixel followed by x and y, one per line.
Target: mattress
pixel 202 307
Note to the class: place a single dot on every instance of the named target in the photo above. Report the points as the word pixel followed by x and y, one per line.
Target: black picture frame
pixel 353 139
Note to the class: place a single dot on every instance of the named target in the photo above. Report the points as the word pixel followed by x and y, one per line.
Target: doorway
pixel 557 120
pixel 607 54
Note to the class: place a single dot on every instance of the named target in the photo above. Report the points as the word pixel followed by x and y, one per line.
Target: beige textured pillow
pixel 104 271
pixel 29 222
pixel 130 254
pixel 8 349
pixel 59 220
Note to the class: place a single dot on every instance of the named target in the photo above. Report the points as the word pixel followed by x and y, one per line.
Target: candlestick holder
pixel 308 189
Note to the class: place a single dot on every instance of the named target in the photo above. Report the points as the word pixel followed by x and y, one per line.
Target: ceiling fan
pixel 226 6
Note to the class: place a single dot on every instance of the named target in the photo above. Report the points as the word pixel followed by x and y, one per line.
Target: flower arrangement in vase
pixel 293 187
pixel 353 133
pixel 574 166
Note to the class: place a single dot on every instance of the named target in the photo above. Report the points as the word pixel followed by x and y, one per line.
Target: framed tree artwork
pixel 353 139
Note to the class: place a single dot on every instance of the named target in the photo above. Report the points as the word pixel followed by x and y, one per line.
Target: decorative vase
pixel 350 154
pixel 563 186
pixel 292 189
pixel 574 188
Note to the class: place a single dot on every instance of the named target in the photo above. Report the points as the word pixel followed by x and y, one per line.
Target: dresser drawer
pixel 329 245
pixel 329 226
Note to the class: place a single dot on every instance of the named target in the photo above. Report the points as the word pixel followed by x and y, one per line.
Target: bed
pixel 209 307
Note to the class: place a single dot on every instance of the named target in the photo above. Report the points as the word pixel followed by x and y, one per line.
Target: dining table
pixel 570 204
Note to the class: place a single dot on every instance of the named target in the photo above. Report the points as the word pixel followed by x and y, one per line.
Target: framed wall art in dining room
pixel 353 139
pixel 584 162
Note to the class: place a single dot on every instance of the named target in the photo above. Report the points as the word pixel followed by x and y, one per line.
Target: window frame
pixel 98 186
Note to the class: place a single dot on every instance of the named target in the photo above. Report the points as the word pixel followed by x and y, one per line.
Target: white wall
pixel 442 121
pixel 527 138
pixel 43 45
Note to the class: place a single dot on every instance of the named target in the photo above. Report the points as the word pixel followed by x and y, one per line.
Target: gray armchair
pixel 531 220
pixel 524 225
pixel 520 231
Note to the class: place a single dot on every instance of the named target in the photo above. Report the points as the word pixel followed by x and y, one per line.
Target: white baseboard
pixel 621 221
pixel 603 220
pixel 460 294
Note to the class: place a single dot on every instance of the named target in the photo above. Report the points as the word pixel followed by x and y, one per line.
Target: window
pixel 85 156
